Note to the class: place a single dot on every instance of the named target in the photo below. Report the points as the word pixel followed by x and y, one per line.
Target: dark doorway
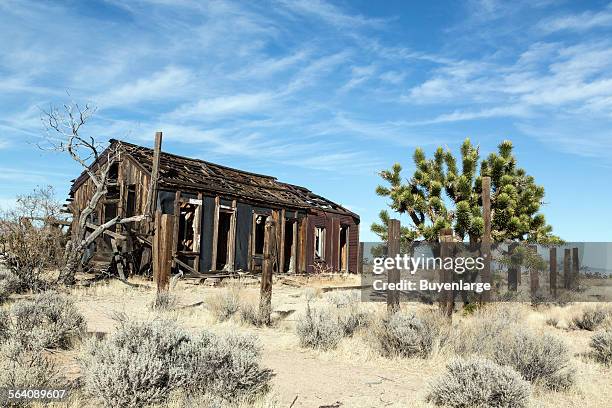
pixel 225 224
pixel 130 207
pixel 290 246
pixel 186 227
pixel 343 248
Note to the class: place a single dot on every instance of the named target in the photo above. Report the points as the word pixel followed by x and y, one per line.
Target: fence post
pixel 552 281
pixel 534 274
pixel 393 275
pixel 162 250
pixel 576 270
pixel 567 256
pixel 486 238
pixel 265 297
pixel 447 297
pixel 513 270
pixel 360 258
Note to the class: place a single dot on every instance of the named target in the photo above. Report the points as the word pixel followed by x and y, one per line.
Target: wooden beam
pixel 360 258
pixel 575 270
pixel 152 196
pixel 393 275
pixel 486 238
pixel 282 226
pixel 567 256
pixel 162 250
pixel 215 234
pixel 231 239
pixel 265 299
pixel 184 265
pixel 553 272
pixel 197 231
pixel 175 229
pixel 534 275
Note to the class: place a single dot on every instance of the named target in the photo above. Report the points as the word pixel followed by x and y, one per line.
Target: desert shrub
pixel 591 318
pixel 50 320
pixel 407 335
pixel 137 365
pixel 543 359
pixel 249 312
pixel 319 328
pixel 349 311
pixel 478 382
pixel 142 362
pixel 228 366
pixel 164 300
pixel 20 368
pixel 552 321
pixel 601 343
pixel 224 304
pixel 9 283
pixel 4 326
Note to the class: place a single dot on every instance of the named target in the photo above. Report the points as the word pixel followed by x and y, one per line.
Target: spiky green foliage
pixel 440 194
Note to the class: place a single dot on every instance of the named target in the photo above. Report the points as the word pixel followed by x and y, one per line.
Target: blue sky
pixel 322 94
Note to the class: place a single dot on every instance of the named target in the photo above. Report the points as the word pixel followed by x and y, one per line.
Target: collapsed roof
pixel 188 174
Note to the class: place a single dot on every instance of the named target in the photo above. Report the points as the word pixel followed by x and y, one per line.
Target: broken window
pixel 110 211
pixel 130 206
pixel 260 234
pixel 319 243
pixel 187 227
pixel 113 172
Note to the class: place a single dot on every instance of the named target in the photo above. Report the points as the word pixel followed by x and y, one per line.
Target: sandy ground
pixel 353 375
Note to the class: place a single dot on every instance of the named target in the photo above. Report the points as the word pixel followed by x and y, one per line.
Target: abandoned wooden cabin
pixel 211 218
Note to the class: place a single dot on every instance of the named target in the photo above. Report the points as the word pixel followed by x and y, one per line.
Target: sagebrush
pixel 319 328
pixel 49 320
pixel 478 382
pixel 601 345
pixel 591 318
pixel 407 335
pixel 144 361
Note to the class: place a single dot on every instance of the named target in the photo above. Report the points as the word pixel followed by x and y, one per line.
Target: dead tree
pixel 64 134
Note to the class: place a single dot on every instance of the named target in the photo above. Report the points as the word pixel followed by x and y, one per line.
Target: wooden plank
pixel 265 299
pixel 294 247
pixel 231 239
pixel 486 238
pixel 393 275
pixel 152 194
pixel 534 275
pixel 360 258
pixel 513 270
pixel 197 232
pixel 175 229
pixel 118 259
pixel 567 256
pixel 215 233
pixel 184 265
pixel 163 238
pixel 281 228
pixel 553 272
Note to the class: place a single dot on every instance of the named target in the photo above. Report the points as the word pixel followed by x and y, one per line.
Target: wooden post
pixel 553 272
pixel 393 275
pixel 152 193
pixel 447 297
pixel 486 238
pixel 534 278
pixel 360 258
pixel 567 256
pixel 513 270
pixel 162 250
pixel 575 270
pixel 265 299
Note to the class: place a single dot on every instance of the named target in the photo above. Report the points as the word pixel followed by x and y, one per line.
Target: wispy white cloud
pixel 586 20
pixel 221 106
pixel 330 14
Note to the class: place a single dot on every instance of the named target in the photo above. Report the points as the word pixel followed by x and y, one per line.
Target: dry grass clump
pixel 225 304
pixel 541 359
pixel 477 382
pixel 164 301
pixel 319 328
pixel 21 368
pixel 49 320
pixel 591 318
pixel 9 284
pixel 601 343
pixel 144 361
pixel 410 335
